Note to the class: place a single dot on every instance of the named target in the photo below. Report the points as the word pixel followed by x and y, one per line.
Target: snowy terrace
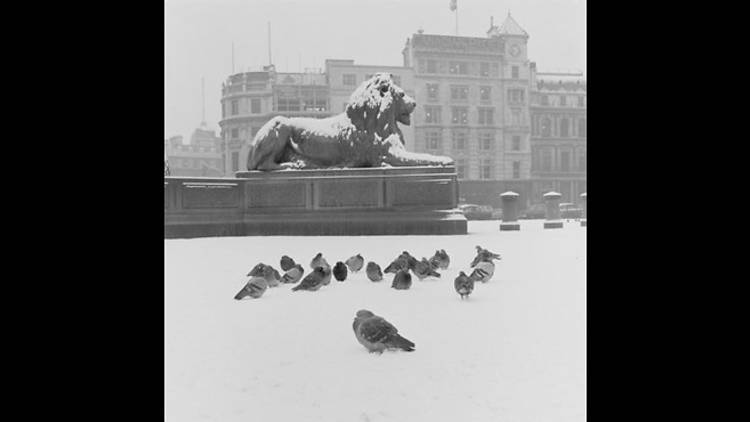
pixel 515 351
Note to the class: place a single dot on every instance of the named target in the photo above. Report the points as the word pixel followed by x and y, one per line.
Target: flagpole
pixel 456 19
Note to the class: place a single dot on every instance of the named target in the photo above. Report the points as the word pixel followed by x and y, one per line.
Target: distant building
pixel 558 134
pixel 200 158
pixel 473 96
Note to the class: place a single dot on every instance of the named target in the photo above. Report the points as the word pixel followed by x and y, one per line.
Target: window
pixel 484 70
pixel 254 130
pixel 460 115
pixel 514 72
pixel 485 93
pixel 545 100
pixel 516 143
pixel 515 96
pixel 235 133
pixel 546 127
pixel 580 101
pixel 582 162
pixel 485 141
pixel 459 68
pixel 546 159
pixel 459 140
pixel 288 104
pixel 485 116
pixel 515 117
pixel 564 127
pixel 350 79
pixel 516 169
pixel 563 101
pixel 432 92
pixel 235 161
pixel 461 168
pixel 255 105
pixel 432 140
pixel 235 107
pixel 565 161
pixel 582 128
pixel 485 169
pixel 459 92
pixel 396 79
pixel 432 114
pixel 223 110
pixel 431 66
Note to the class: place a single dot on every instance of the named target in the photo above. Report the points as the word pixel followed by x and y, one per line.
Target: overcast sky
pixel 199 35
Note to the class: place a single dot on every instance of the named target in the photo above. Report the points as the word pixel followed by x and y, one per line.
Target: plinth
pixel 552 202
pixel 330 202
pixel 510 211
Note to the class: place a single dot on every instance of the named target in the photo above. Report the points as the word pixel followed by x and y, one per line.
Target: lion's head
pixel 377 104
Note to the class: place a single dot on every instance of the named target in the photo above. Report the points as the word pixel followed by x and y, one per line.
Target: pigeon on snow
pixel 312 281
pixel 464 285
pixel 402 280
pixel 424 269
pixel 254 288
pixel 340 271
pixel 355 263
pixel 319 261
pixel 293 275
pixel 377 334
pixel 286 263
pixel 440 260
pixel 373 271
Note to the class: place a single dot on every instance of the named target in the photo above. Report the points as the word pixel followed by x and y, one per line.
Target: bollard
pixel 552 201
pixel 510 211
pixel 583 218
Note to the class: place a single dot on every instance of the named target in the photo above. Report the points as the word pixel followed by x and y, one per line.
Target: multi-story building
pixel 473 98
pixel 558 134
pixel 201 157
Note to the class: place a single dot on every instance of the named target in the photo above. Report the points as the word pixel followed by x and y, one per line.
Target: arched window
pixel 564 127
pixel 546 127
pixel 582 128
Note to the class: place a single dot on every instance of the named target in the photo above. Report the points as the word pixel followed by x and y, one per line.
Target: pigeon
pixel 373 271
pixel 355 263
pixel 286 263
pixel 398 264
pixel 312 282
pixel 402 280
pixel 464 285
pixel 293 275
pixel 484 255
pixel 377 334
pixel 339 271
pixel 424 269
pixel 409 259
pixel 254 288
pixel 319 261
pixel 440 260
pixel 483 271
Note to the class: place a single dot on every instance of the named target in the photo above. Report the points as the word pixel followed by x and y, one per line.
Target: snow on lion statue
pixel 365 135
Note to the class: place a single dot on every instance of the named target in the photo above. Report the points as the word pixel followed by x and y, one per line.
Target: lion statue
pixel 365 135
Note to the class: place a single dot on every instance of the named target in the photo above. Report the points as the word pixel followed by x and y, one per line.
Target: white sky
pixel 199 35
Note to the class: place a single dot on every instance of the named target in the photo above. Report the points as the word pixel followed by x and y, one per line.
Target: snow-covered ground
pixel 515 351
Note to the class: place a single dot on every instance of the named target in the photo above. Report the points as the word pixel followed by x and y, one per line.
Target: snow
pixel 514 351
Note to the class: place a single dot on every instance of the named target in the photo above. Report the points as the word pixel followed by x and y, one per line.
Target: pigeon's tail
pixel 241 294
pixel 402 343
pixel 297 287
pixel 434 273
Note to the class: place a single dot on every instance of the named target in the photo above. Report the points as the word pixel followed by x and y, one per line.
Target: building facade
pixel 558 134
pixel 200 158
pixel 474 107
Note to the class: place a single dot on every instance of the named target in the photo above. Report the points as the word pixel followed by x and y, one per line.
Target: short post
pixel 583 217
pixel 510 211
pixel 552 201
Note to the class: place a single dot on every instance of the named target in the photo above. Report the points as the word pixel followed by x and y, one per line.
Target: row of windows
pixel 564 130
pixel 562 100
pixel 235 133
pixel 461 92
pixel 460 116
pixel 282 104
pixel 485 69
pixel 188 163
pixel 350 79
pixel 459 141
pixel 485 169
pixel 544 162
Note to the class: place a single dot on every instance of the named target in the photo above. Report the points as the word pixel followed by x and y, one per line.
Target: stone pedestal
pixel 369 201
pixel 552 218
pixel 510 211
pixel 583 202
